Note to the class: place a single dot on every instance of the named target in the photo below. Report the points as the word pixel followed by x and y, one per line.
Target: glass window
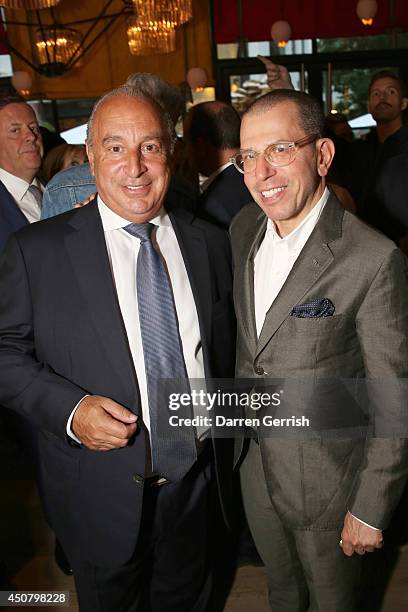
pixel 266 47
pixel 6 68
pixel 362 43
pixel 244 89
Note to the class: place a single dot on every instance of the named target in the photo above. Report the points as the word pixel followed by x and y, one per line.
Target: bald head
pixel 132 92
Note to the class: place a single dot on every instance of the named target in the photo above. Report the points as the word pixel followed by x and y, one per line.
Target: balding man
pixel 211 133
pixel 21 153
pixel 104 302
pixel 319 297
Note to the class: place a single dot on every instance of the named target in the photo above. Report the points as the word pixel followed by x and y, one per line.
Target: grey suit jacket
pixel 312 482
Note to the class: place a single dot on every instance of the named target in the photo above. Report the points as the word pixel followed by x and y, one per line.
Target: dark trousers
pixel 169 570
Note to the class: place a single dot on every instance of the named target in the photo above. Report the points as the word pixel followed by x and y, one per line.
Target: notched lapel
pixel 87 251
pixel 244 275
pixel 194 251
pixel 314 259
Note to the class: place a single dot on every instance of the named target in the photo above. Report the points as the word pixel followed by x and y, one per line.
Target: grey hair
pixel 166 95
pixel 126 91
pixel 309 109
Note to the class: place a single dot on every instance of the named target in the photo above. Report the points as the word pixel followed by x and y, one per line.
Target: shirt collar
pixel 213 176
pixel 307 224
pixel 112 221
pixel 16 185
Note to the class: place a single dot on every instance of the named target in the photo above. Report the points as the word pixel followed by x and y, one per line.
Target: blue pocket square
pixel 320 307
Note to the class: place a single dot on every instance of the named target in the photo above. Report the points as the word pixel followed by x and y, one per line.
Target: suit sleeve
pixel 28 386
pixel 382 327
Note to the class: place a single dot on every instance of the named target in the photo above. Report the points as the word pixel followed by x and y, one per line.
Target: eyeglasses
pixel 276 154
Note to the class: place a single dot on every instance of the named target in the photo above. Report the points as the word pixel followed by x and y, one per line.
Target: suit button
pixel 138 478
pixel 259 370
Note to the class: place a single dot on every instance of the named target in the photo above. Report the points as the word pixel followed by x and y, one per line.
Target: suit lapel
pixel 193 248
pixel 244 276
pixel 314 259
pixel 87 252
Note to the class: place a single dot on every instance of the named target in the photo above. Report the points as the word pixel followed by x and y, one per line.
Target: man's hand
pixel 102 424
pixel 86 201
pixel 359 538
pixel 278 76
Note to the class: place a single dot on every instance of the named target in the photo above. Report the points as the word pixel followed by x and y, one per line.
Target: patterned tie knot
pixel 143 231
pixel 37 193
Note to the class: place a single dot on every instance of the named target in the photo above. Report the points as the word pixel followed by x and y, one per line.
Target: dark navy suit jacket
pixel 11 217
pixel 226 195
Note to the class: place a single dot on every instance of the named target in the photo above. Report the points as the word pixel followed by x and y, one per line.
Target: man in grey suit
pixel 319 295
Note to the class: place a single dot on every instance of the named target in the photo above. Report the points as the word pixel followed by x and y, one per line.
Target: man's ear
pixel 404 103
pixel 325 153
pixel 90 155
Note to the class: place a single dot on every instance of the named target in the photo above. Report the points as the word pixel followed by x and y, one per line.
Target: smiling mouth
pixel 273 191
pixel 135 187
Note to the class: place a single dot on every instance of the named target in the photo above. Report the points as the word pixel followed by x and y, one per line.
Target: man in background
pixel 211 133
pixel 21 154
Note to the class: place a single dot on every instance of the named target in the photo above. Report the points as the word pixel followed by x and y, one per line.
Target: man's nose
pixel 263 169
pixel 29 135
pixel 135 164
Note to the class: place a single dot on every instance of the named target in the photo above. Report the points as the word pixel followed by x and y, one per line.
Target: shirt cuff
pixel 69 431
pixel 359 520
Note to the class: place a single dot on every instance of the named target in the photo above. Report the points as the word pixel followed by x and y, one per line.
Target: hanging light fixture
pixel 28 5
pixel 281 33
pixel 176 12
pixel 55 47
pixel 58 47
pixel 150 37
pixel 366 11
pixel 153 29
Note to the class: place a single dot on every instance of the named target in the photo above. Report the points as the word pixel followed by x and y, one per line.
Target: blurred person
pixel 21 155
pixel 62 157
pixel 386 103
pixel 211 134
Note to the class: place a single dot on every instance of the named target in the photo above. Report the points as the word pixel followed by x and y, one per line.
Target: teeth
pixel 134 188
pixel 271 192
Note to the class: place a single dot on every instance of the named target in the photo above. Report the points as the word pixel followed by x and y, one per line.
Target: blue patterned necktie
pixel 37 193
pixel 173 448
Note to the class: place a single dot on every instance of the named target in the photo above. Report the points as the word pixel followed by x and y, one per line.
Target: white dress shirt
pixel 24 199
pixel 123 249
pixel 275 258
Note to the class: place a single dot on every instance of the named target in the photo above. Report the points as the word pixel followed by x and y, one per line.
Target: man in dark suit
pixel 211 133
pixel 94 317
pixel 21 153
pixel 319 296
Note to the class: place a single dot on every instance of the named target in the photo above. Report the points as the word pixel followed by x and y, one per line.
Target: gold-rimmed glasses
pixel 276 154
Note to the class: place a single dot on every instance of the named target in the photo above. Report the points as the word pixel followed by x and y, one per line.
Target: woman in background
pixel 62 157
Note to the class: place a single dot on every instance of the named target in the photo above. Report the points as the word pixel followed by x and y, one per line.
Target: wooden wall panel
pixel 109 62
